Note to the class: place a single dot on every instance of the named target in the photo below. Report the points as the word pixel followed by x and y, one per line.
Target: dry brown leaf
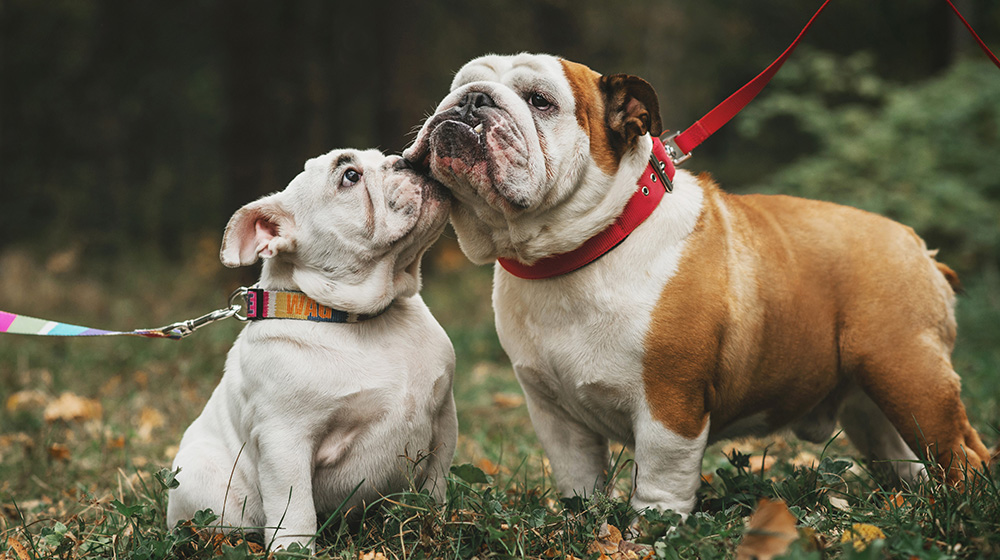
pixel 488 467
pixel 70 407
pixel 895 502
pixel 23 400
pixel 59 452
pixel 861 535
pixel 373 555
pixel 769 532
pixel 7 440
pixel 707 478
pixel 508 400
pixel 805 459
pixel 608 537
pixel 610 545
pixel 149 419
pixel 760 463
pixel 117 442
pixel 18 548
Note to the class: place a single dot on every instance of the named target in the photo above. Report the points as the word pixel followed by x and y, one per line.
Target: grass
pixel 90 482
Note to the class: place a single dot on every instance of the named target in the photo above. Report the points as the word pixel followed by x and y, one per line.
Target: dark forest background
pixel 140 125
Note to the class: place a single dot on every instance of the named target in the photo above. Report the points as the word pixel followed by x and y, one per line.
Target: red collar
pixel 656 180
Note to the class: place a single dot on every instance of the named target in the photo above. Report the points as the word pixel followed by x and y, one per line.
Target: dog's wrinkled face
pixel 518 136
pixel 350 228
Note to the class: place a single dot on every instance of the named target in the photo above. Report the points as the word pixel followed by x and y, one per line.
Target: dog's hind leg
pixel 916 389
pixel 875 436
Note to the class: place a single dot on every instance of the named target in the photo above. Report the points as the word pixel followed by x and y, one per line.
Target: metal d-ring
pixel 240 292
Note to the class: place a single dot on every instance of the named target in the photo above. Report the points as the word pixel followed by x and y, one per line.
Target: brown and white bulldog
pixel 719 316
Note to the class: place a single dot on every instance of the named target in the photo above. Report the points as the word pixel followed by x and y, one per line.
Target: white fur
pixel 569 198
pixel 575 341
pixel 306 411
pixel 576 345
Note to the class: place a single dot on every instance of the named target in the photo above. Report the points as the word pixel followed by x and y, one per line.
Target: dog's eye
pixel 539 101
pixel 351 178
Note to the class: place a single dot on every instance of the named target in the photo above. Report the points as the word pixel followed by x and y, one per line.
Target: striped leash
pixel 260 304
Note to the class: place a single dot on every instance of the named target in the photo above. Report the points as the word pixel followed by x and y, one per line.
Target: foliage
pixel 93 484
pixel 923 154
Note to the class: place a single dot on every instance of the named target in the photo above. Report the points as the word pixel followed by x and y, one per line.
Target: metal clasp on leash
pixel 675 152
pixel 183 329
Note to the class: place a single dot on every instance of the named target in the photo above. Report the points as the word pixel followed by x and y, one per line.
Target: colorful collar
pixel 656 180
pixel 288 304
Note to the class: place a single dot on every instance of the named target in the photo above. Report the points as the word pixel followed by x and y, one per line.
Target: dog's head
pixel 520 136
pixel 349 230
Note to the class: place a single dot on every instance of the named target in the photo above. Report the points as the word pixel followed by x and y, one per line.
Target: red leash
pixel 682 144
pixel 982 44
pixel 676 148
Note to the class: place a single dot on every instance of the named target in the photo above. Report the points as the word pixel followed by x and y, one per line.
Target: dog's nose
pixel 474 100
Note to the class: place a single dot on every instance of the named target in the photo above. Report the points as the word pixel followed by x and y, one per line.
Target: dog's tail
pixel 950 275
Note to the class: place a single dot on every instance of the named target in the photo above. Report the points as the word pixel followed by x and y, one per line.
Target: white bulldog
pixel 719 316
pixel 306 411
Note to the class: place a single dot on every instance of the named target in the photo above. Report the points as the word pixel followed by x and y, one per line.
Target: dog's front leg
pixel 668 466
pixel 285 472
pixel 578 455
pixel 442 449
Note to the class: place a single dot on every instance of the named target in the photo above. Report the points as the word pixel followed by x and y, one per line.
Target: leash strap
pixel 22 324
pixel 725 111
pixel 680 145
pixel 982 44
pixel 260 304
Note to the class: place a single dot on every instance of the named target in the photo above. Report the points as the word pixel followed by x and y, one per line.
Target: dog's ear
pixel 631 107
pixel 262 228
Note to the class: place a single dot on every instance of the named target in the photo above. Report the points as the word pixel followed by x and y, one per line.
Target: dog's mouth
pixel 473 156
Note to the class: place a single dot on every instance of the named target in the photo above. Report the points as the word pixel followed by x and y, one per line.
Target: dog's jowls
pixel 719 316
pixel 307 411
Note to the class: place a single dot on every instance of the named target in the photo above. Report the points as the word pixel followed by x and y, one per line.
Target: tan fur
pixel 779 303
pixel 590 114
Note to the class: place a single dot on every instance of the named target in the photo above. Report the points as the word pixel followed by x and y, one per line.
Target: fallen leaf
pixel 23 400
pixel 805 460
pixel 707 478
pixel 606 543
pixel 840 504
pixel 861 535
pixel 70 407
pixel 760 463
pixel 373 555
pixel 508 400
pixel 609 545
pixel 149 420
pixel 488 467
pixel 7 440
pixel 59 452
pixel 117 442
pixel 895 502
pixel 769 532
pixel 18 548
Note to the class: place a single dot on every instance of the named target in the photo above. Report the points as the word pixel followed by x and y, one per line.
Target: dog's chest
pixel 579 339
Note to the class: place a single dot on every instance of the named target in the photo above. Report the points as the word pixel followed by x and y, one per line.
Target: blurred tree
pixel 924 154
pixel 141 124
